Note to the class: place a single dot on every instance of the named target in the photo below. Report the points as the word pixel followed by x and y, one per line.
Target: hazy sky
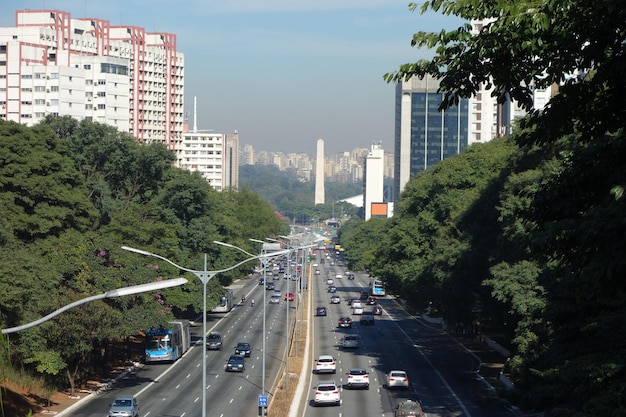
pixel 283 73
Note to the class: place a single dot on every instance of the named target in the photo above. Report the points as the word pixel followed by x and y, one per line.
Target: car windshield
pixel 326 388
pixel 358 372
pixel 398 374
pixel 214 337
pixel 122 403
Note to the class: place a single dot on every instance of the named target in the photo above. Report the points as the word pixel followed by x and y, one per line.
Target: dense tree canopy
pixel 522 238
pixel 294 198
pixel 72 194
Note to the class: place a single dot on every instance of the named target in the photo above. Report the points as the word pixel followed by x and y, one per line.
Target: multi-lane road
pixel 442 373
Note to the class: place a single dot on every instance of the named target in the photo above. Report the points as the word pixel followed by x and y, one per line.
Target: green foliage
pixel 40 191
pixel 526 242
pixel 71 195
pixel 295 198
pixel 514 53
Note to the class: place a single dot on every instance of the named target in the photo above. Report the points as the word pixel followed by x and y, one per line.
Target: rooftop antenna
pixel 195 125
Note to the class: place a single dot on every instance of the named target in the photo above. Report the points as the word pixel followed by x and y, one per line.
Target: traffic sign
pixel 263 400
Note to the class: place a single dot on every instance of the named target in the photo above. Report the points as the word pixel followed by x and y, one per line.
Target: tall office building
pixel 319 173
pixel 51 63
pixel 424 135
pixel 373 186
pixel 231 161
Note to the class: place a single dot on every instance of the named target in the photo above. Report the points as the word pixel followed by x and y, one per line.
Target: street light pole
pixel 264 258
pixel 205 276
pixel 135 289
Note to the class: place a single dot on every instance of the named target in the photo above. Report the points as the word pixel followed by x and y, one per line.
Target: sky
pixel 282 73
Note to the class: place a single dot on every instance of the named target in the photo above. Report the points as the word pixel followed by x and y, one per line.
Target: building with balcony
pixel 123 76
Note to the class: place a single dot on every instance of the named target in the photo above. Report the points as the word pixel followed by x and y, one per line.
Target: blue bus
pixel 168 344
pixel 377 288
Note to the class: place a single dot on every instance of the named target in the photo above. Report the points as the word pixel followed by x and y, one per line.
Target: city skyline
pixel 282 74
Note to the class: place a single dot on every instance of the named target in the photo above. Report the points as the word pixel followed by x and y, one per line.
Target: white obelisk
pixel 319 173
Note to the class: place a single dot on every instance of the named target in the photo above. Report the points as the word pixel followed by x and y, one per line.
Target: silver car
pixel 398 379
pixel 350 341
pixel 124 407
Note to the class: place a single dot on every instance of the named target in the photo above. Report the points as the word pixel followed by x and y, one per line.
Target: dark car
pixel 214 341
pixel 289 296
pixel 270 285
pixel 344 322
pixel 371 301
pixel 236 363
pixel 261 281
pixel 408 408
pixel 244 349
pixel 332 288
pixel 321 311
pixel 364 296
pixel 367 317
pixel 377 310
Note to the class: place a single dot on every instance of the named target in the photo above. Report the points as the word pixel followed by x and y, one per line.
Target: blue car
pixel 243 349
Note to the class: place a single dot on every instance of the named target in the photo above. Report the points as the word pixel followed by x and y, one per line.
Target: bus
pixel 377 288
pixel 167 344
pixel 226 303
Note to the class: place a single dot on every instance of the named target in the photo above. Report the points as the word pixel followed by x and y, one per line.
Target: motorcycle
pixel 350 276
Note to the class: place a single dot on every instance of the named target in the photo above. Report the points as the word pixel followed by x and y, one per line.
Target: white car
pixel 325 363
pixel 357 307
pixel 335 299
pixel 398 379
pixel 327 392
pixel 275 299
pixel 338 276
pixel 358 377
pixel 329 281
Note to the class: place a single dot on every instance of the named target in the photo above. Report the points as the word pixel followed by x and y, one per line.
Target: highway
pixel 175 389
pixel 442 373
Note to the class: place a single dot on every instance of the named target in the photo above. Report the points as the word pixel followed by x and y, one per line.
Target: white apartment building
pixel 51 63
pixel 373 185
pixel 214 155
pixel 487 118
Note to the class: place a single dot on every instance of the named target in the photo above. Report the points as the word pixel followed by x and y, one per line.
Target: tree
pixel 525 45
pixel 41 192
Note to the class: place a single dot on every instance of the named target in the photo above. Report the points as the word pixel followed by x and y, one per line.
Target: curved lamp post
pixel 204 276
pixel 120 292
pixel 263 257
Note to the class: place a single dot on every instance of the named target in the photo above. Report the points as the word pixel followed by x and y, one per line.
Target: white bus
pixel 377 288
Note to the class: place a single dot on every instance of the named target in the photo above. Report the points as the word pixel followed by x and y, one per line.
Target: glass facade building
pixel 424 136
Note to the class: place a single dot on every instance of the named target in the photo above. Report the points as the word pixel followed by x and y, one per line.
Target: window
pixel 102 82
pixel 54 88
pixel 54 102
pixel 101 107
pixel 87 66
pixel 40 88
pixel 26 76
pixel 102 93
pixel 54 76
